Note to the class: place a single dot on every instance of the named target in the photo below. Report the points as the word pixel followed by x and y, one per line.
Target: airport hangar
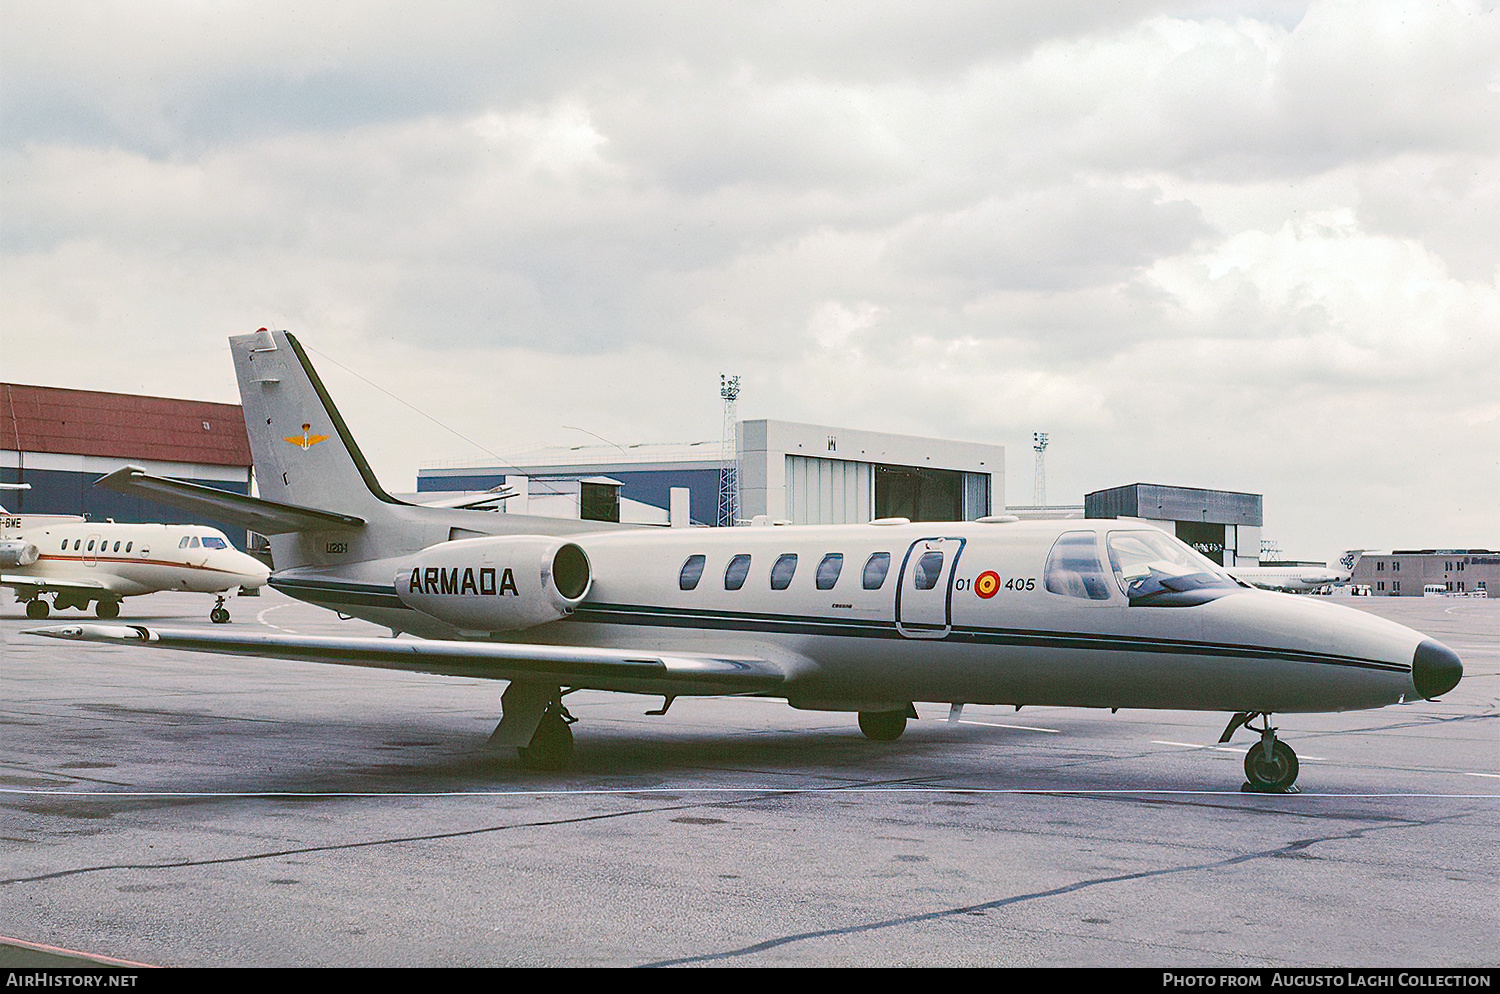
pixel 785 471
pixel 818 474
pixel 60 441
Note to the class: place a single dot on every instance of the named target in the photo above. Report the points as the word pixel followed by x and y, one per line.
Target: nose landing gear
pixel 220 614
pixel 1270 765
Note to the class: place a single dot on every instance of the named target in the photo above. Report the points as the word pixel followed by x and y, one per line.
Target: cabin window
pixel 128 545
pixel 77 543
pixel 829 569
pixel 929 569
pixel 91 545
pixel 183 543
pixel 876 567
pixel 783 570
pixel 210 542
pixel 692 572
pixel 1073 567
pixel 736 571
pixel 116 548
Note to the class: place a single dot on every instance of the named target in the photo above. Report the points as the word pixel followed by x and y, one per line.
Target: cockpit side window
pixel 1073 567
pixel 183 543
pixel 1156 570
pixel 736 571
pixel 692 572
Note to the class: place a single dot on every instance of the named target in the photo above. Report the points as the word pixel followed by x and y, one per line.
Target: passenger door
pixel 924 590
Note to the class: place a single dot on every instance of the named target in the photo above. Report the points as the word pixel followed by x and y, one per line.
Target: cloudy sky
pixel 1251 246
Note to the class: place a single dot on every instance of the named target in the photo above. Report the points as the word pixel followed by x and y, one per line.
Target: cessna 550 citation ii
pixel 863 618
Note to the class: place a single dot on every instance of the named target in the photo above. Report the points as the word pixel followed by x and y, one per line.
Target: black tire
pixel 882 726
pixel 1272 775
pixel 107 609
pixel 37 609
pixel 551 745
pixel 218 616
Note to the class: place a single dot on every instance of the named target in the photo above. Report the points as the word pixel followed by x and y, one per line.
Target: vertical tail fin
pixel 304 454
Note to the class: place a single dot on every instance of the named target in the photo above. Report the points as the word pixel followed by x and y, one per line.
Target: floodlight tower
pixel 1039 442
pixel 729 390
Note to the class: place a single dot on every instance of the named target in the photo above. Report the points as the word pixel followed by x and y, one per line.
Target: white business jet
pixel 859 618
pixel 79 562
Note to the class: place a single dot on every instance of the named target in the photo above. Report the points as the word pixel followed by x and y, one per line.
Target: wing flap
pixel 627 670
pixel 267 517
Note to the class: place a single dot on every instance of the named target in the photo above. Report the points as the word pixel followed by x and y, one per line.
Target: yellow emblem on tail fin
pixel 305 441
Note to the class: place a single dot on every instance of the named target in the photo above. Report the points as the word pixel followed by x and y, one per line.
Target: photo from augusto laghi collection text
pixel 1480 978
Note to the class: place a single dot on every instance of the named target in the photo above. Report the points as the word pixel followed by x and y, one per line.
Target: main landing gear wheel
pixel 37 609
pixel 220 614
pixel 551 745
pixel 882 726
pixel 107 609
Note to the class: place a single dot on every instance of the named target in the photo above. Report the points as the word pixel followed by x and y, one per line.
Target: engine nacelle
pixel 18 552
pixel 497 584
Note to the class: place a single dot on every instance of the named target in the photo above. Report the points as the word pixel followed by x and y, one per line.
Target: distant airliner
pixel 862 618
pixel 1291 579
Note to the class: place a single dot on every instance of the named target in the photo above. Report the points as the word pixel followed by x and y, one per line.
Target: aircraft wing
pixel 264 516
pixel 41 583
pixel 625 670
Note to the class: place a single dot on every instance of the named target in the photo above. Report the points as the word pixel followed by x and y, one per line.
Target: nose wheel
pixel 220 614
pixel 1270 766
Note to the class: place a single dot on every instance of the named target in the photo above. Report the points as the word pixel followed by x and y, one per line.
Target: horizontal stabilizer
pixel 594 669
pixel 264 516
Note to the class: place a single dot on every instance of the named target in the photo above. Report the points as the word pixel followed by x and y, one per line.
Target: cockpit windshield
pixel 1156 570
pixel 209 542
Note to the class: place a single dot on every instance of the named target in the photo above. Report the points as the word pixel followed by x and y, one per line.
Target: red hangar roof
pixel 121 426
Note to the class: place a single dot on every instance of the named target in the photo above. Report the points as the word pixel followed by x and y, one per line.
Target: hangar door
pixel 828 491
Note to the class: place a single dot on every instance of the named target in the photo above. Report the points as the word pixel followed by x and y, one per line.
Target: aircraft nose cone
pixel 1435 669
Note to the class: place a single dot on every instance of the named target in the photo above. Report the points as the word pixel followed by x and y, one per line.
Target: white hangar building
pixel 787 471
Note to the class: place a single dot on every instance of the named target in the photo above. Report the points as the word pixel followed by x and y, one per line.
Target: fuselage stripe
pixel 122 561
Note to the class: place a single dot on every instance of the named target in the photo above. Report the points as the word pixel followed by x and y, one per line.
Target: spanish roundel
pixel 986 584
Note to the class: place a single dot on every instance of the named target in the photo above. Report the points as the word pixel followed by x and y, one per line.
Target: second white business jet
pixel 79 562
pixel 858 618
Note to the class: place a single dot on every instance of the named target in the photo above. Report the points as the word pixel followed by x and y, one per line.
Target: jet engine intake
pixel 18 552
pixel 499 584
